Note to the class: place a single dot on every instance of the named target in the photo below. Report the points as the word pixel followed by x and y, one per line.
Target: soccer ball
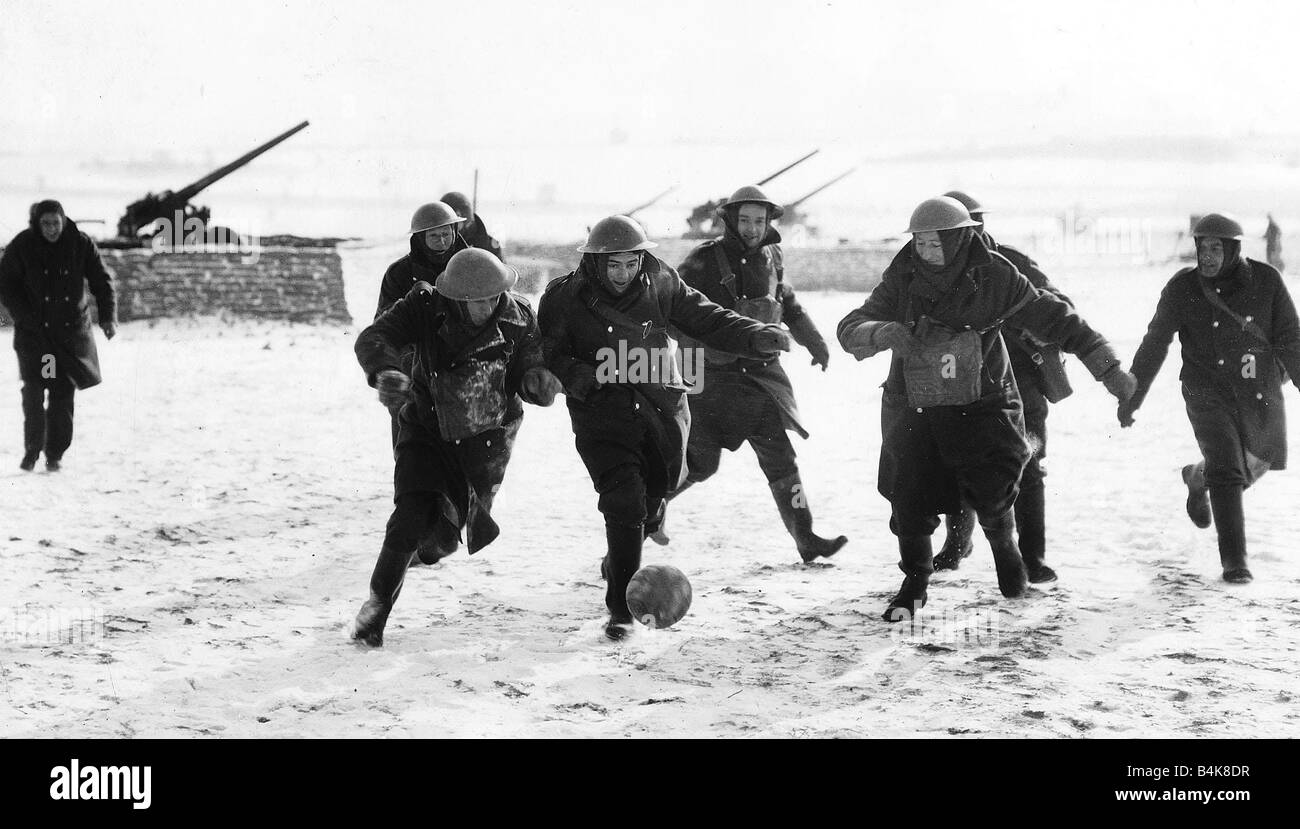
pixel 659 595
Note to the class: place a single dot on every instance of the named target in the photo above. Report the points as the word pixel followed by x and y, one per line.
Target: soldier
pixel 44 275
pixel 478 352
pixel 472 230
pixel 1040 377
pixel 602 325
pixel 951 418
pixel 1273 244
pixel 752 400
pixel 1239 334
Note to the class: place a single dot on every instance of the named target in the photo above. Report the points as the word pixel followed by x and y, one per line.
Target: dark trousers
pixel 775 452
pixel 48 429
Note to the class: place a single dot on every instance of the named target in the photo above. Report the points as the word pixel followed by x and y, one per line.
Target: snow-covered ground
pixel 224 500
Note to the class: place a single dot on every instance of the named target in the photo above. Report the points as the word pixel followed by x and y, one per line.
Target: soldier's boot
pixel 792 503
pixel 916 562
pixel 1230 523
pixel 443 537
pixel 658 530
pixel 656 513
pixel 1198 498
pixel 957 543
pixel 1013 579
pixel 1032 529
pixel 385 586
pixel 621 562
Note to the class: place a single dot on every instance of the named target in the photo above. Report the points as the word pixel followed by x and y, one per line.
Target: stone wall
pixel 291 283
pixel 854 269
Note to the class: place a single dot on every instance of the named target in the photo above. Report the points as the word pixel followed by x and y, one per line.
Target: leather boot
pixel 1198 499
pixel 1031 527
pixel 1230 522
pixel 1013 580
pixel 443 537
pixel 915 560
pixel 621 563
pixel 385 586
pixel 957 544
pixel 792 503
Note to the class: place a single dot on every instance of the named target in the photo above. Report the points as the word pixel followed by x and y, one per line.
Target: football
pixel 659 595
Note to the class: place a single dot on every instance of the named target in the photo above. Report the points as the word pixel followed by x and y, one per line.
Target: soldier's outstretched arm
pixel 872 328
pixel 379 346
pixel 527 374
pixel 1153 350
pixel 1286 333
pixel 694 315
pixel 801 326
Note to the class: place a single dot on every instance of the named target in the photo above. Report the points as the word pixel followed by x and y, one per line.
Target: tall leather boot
pixel 621 563
pixel 443 537
pixel 1013 580
pixel 956 544
pixel 792 503
pixel 657 527
pixel 915 560
pixel 1198 501
pixel 33 424
pixel 1032 529
pixel 385 586
pixel 1230 523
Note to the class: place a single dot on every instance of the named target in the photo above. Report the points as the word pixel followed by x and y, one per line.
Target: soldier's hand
pixel 392 386
pixel 821 355
pixel 582 383
pixel 897 338
pixel 540 386
pixel 1120 383
pixel 771 340
pixel 1125 413
pixel 110 329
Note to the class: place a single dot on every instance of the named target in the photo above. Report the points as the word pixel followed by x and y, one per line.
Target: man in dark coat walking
pixel 1040 377
pixel 1240 338
pixel 745 400
pixel 478 351
pixel 605 335
pixel 44 276
pixel 951 417
pixel 472 230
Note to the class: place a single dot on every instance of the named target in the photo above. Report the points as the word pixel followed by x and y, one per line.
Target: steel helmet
pixel 457 202
pixel 1218 226
pixel 750 194
pixel 434 214
pixel 616 234
pixel 972 204
pixel 475 274
pixel 942 213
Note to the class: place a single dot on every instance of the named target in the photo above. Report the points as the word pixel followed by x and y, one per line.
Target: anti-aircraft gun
pixel 704 213
pixel 793 216
pixel 154 206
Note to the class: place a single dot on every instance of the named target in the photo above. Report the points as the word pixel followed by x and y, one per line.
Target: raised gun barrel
pixel 153 207
pixel 789 208
pixel 789 166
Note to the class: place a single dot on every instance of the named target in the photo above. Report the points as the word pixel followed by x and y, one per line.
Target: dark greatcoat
pixel 610 422
pixel 419 265
pixel 734 388
pixel 476 235
pixel 459 423
pixel 1227 408
pixel 932 457
pixel 46 289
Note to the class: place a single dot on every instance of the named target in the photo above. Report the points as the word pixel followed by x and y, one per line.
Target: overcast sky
pixel 129 78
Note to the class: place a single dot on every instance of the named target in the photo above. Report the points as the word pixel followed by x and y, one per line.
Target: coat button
pixel 610 329
pixel 636 405
pixel 1259 396
pixel 1215 324
pixel 1249 318
pixel 458 442
pixel 918 409
pixel 743 261
pixel 1220 362
pixel 489 443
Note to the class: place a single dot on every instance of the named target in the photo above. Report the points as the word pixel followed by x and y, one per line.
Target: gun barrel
pixel 191 190
pixel 650 203
pixel 806 196
pixel 789 166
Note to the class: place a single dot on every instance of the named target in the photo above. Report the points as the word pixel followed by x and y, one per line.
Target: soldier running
pixel 1040 377
pixel 951 417
pixel 630 425
pixel 477 352
pixel 747 400
pixel 1240 337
